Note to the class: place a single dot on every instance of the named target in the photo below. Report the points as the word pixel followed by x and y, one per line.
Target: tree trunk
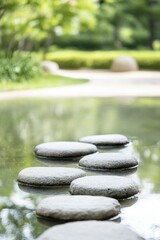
pixel 151 24
pixel 117 24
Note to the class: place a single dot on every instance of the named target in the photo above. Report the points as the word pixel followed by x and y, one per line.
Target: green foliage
pixel 34 23
pixel 83 41
pixel 91 24
pixel 17 67
pixel 103 59
pixel 120 25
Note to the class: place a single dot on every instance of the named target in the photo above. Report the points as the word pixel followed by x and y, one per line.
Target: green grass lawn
pixel 42 81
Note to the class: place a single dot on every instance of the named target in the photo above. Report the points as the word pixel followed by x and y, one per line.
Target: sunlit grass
pixel 41 81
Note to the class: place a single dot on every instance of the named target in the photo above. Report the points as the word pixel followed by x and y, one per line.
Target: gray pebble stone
pixel 107 140
pixel 90 230
pixel 71 208
pixel 108 186
pixel 49 176
pixel 62 150
pixel 108 161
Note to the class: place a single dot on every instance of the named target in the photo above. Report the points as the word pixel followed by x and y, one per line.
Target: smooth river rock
pixel 108 186
pixel 73 208
pixel 90 230
pixel 64 150
pixel 108 161
pixel 49 176
pixel 124 64
pixel 107 140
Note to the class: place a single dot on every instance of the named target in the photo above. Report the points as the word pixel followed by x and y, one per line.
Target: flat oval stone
pixel 90 230
pixel 108 161
pixel 62 150
pixel 107 140
pixel 108 186
pixel 49 176
pixel 71 208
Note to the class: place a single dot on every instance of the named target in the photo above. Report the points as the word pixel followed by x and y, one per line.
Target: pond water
pixel 26 123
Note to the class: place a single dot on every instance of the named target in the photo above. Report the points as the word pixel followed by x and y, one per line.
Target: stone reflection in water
pixel 45 191
pixel 125 172
pixel 26 123
pixel 53 162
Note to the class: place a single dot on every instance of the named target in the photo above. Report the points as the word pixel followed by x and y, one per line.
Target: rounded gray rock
pixel 90 230
pixel 64 150
pixel 124 64
pixel 49 176
pixel 72 208
pixel 108 161
pixel 108 186
pixel 106 140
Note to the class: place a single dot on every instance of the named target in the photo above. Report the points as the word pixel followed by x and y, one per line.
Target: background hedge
pixel 73 59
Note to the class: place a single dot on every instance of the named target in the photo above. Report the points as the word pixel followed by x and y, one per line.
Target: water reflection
pixel 129 202
pixel 59 162
pixel 146 221
pixel 118 172
pixel 17 216
pixel 44 191
pixel 24 124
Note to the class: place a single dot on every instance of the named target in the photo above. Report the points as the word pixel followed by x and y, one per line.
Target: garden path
pixel 102 84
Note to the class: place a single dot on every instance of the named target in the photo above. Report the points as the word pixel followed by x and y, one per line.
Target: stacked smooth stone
pixel 94 189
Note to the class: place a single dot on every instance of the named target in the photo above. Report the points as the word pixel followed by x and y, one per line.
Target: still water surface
pixel 26 123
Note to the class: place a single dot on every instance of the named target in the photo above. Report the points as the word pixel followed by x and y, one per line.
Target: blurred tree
pixel 34 24
pixel 28 22
pixel 148 14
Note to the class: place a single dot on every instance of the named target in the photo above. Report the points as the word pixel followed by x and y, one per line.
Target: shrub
pixel 83 41
pixel 17 67
pixel 72 59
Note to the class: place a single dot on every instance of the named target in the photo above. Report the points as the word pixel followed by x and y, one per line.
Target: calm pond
pixel 26 123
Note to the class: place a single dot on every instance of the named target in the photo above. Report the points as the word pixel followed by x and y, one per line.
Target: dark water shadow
pixel 60 190
pixel 112 147
pixel 48 221
pixel 59 162
pixel 129 201
pixel 115 172
pixel 116 219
